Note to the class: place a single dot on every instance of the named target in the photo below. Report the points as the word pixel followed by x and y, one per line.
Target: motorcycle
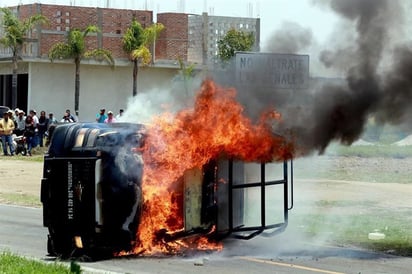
pixel 20 145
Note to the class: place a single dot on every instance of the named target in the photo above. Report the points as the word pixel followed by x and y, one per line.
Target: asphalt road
pixel 21 232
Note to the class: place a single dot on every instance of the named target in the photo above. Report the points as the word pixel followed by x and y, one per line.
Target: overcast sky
pixel 272 12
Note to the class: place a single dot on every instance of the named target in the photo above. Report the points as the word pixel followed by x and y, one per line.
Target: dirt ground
pixel 363 189
pixel 20 177
pixel 24 177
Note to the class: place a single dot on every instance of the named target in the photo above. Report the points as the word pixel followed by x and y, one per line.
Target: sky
pixel 271 12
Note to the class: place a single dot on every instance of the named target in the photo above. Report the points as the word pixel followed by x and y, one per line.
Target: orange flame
pixel 176 143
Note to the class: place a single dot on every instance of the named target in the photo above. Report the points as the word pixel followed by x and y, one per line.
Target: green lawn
pixel 14 264
pixel 367 151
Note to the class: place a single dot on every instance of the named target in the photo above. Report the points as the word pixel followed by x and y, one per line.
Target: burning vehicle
pixel 125 188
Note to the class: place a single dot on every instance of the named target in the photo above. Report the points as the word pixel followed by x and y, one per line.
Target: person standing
pixel 20 123
pixel 101 116
pixel 33 114
pixel 110 118
pixel 6 131
pixel 71 116
pixel 42 127
pixel 50 127
pixel 66 118
pixel 120 114
pixel 29 133
pixel 12 117
pixel 52 119
pixel 16 112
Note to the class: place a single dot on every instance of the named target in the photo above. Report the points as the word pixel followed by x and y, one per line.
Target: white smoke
pixel 148 104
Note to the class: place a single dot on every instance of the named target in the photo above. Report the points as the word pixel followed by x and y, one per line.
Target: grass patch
pixel 354 230
pixel 33 158
pixel 367 151
pixel 20 199
pixel 14 264
pixel 37 155
pixel 334 203
pixel 370 172
pixel 359 174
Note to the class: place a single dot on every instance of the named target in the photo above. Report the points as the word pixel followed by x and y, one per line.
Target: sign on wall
pixel 272 70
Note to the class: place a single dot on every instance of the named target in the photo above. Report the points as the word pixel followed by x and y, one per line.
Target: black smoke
pixel 374 80
pixel 371 86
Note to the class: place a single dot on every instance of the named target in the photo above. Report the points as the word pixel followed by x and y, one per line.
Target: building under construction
pixel 189 38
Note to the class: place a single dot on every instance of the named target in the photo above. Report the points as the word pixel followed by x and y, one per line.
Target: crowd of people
pixel 102 117
pixel 37 129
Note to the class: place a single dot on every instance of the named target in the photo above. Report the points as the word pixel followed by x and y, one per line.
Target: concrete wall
pixel 51 87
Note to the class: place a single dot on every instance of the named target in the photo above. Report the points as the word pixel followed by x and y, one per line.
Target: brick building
pixel 187 37
pixel 172 43
pixel 194 38
pixel 111 22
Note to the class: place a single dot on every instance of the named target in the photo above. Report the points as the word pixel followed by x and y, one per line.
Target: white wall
pixel 51 87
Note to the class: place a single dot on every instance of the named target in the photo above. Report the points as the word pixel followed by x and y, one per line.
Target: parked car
pixel 3 109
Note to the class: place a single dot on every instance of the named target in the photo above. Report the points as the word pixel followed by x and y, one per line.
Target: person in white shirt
pixel 20 123
pixel 66 118
pixel 120 114
pixel 36 140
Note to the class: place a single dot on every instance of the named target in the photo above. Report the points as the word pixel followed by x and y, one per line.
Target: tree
pixel 186 74
pixel 233 41
pixel 136 42
pixel 15 35
pixel 75 48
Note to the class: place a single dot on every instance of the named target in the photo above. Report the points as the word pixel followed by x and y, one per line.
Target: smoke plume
pixel 365 49
pixel 290 38
pixel 341 111
pixel 377 78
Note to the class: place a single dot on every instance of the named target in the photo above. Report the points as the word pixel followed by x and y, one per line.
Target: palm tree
pixel 75 48
pixel 186 74
pixel 136 42
pixel 15 34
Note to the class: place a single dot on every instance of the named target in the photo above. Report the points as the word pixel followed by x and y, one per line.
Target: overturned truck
pixel 92 198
